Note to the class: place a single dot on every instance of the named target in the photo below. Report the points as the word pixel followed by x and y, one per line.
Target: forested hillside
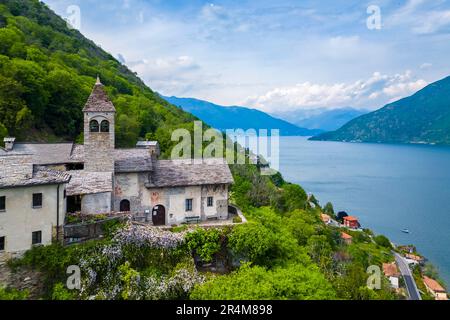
pixel 47 72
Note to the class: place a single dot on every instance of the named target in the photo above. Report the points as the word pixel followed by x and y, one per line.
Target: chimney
pixel 9 143
pixel 152 146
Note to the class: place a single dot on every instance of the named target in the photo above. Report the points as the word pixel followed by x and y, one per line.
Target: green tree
pixel 205 243
pixel 11 103
pixel 3 132
pixel 320 251
pixel 328 209
pixel 257 283
pixel 383 241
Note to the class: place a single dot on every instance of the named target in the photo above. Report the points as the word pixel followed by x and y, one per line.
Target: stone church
pixel 41 182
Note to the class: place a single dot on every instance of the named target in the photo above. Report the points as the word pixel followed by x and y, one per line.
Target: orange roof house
pixel 351 222
pixel 346 237
pixel 435 288
pixel 325 218
pixel 413 257
pixel 390 270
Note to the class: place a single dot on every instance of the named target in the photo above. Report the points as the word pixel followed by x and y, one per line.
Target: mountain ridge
pixel 231 117
pixel 322 118
pixel 422 118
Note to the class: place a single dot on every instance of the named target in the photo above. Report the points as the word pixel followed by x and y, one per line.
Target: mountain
pixel 234 117
pixel 47 71
pixel 322 119
pixel 421 118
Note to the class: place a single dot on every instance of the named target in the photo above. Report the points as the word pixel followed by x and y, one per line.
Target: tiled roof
pixel 173 173
pixel 138 164
pixel 45 153
pixel 99 101
pixel 84 182
pixel 346 236
pixel 132 160
pixel 390 270
pixel 126 160
pixel 351 218
pixel 18 172
pixel 433 284
pixel 413 257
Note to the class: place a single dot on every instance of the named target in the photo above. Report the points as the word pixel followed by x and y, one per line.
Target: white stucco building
pixel 97 178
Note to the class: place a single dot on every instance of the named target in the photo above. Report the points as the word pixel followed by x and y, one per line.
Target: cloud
pixel 426 65
pixel 164 67
pixel 432 22
pixel 420 17
pixel 369 93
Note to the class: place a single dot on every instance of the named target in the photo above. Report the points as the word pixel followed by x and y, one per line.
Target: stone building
pixel 97 178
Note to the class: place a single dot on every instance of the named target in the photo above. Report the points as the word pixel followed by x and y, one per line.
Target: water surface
pixel 388 187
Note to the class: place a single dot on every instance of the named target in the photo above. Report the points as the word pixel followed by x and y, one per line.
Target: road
pixel 413 292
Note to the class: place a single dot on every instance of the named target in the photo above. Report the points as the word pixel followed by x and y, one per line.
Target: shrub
pixel 382 241
pixel 258 283
pixel 13 294
pixel 205 243
pixel 237 219
pixel 60 292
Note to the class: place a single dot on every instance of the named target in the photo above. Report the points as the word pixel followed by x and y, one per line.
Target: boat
pixel 405 231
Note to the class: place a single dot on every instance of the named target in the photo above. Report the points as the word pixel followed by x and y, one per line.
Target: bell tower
pixel 99 138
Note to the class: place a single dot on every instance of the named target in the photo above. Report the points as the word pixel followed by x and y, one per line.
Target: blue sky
pixel 277 56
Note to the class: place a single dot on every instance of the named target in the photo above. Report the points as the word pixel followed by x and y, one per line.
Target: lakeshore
pixel 388 187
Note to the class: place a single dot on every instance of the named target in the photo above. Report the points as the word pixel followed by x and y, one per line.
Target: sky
pixel 276 56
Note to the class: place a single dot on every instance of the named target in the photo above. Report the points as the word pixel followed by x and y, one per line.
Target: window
pixel 93 126
pixel 189 204
pixel 2 203
pixel 36 237
pixel 2 243
pixel 210 201
pixel 65 193
pixel 104 127
pixel 37 200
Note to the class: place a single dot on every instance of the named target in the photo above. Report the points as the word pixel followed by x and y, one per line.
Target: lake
pixel 388 187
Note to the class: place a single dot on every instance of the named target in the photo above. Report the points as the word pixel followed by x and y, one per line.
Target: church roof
pixel 180 173
pixel 84 182
pixel 132 160
pixel 126 160
pixel 99 101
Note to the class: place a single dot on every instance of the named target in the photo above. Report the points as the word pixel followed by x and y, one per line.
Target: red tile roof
pixel 433 284
pixel 413 257
pixel 346 236
pixel 390 270
pixel 351 218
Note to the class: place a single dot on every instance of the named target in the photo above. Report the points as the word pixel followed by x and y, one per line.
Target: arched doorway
pixel 159 215
pixel 125 206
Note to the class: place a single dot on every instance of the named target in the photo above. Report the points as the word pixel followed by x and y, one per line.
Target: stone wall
pixel 97 203
pixel 86 231
pixel 130 186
